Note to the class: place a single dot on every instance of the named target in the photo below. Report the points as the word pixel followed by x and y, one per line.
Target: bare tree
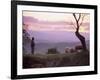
pixel 79 20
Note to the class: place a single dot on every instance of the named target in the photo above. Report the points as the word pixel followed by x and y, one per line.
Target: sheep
pixel 72 50
pixel 78 48
pixel 67 50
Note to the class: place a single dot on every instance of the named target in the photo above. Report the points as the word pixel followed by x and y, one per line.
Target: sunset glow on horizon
pixel 45 21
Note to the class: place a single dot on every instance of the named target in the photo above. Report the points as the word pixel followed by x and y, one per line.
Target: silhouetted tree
pixel 77 18
pixel 26 39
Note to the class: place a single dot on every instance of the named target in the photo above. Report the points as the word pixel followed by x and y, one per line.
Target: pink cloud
pixel 35 23
pixel 28 19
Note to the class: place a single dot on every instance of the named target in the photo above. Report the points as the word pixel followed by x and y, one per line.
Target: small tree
pixel 26 39
pixel 79 17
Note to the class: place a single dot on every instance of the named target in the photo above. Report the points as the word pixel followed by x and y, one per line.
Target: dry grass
pixel 55 60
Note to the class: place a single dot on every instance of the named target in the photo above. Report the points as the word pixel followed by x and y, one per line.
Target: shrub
pixel 52 51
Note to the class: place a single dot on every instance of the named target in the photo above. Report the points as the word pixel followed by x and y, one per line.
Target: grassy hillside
pixel 55 60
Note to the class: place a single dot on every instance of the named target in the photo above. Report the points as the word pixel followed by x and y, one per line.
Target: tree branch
pixel 75 17
pixel 73 24
pixel 82 20
pixel 79 17
pixel 77 20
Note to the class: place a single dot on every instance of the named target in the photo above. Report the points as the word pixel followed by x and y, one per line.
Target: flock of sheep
pixel 77 48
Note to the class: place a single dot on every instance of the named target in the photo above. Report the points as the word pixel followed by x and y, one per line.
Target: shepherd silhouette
pixel 32 45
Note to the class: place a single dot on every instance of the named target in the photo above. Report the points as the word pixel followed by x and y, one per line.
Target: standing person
pixel 32 45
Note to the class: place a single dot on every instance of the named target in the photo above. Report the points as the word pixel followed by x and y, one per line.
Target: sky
pixel 47 25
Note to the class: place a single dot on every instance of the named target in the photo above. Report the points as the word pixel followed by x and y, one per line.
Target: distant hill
pixel 42 47
pixel 55 36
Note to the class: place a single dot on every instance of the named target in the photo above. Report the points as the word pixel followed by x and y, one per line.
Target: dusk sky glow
pixel 44 21
pixel 47 25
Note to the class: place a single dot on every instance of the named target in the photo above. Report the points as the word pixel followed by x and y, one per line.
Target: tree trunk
pixel 82 40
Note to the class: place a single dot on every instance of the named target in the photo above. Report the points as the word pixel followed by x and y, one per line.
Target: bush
pixel 52 51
